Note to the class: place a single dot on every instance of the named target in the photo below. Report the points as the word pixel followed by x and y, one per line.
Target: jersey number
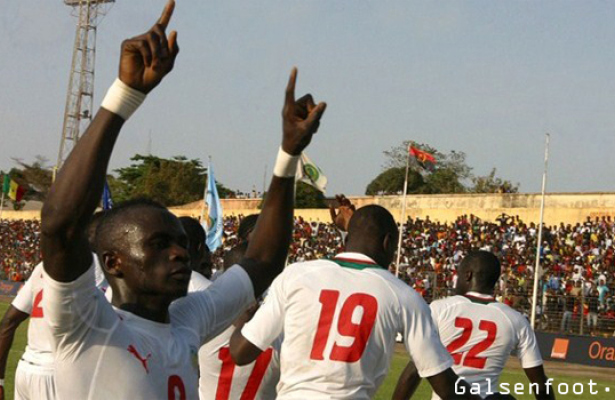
pixel 254 381
pixel 37 310
pixel 359 331
pixel 471 359
pixel 177 390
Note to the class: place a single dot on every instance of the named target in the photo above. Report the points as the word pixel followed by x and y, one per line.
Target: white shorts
pixel 34 382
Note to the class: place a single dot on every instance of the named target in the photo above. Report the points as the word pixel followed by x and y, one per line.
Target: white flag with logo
pixel 309 173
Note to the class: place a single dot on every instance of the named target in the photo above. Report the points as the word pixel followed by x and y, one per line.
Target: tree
pixel 391 181
pixel 34 177
pixel 451 174
pixel 171 182
pixel 307 196
pixel 492 184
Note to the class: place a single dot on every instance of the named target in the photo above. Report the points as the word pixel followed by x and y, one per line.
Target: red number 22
pixel 472 359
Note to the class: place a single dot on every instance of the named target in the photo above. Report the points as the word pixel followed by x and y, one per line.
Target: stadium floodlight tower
pixel 80 95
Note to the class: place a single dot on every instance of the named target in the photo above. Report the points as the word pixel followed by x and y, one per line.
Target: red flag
pixel 425 159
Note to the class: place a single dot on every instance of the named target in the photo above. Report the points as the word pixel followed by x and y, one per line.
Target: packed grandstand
pixel 577 262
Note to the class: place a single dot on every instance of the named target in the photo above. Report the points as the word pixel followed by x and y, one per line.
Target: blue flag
pixel 215 224
pixel 107 202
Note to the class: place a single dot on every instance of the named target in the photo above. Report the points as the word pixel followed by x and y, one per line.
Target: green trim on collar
pixel 355 264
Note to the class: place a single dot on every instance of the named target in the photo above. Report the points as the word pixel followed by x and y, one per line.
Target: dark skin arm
pixel 537 375
pixel 408 382
pixel 443 384
pixel 77 190
pixel 270 240
pixel 268 247
pixel 9 324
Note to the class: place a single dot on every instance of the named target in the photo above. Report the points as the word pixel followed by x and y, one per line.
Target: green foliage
pixel 451 174
pixel 307 196
pixel 34 177
pixel 492 184
pixel 171 182
pixel 391 181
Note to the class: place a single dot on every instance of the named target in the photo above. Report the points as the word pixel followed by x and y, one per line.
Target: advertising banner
pixel 9 288
pixel 586 350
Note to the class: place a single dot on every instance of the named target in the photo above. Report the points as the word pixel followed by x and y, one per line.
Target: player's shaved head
pixel 200 256
pixel 372 231
pixel 246 226
pixel 479 271
pixel 110 233
pixel 234 255
pixel 93 227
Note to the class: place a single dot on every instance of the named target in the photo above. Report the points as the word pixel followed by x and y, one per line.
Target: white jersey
pixel 480 334
pixel 222 379
pixel 30 301
pixel 339 319
pixel 107 353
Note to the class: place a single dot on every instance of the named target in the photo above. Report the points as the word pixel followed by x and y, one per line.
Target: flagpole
pixel 205 193
pixel 539 239
pixel 403 216
pixel 2 203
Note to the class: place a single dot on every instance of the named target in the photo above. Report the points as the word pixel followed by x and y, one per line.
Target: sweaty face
pixel 155 259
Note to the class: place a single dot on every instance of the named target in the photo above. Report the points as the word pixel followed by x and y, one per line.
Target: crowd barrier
pixel 593 351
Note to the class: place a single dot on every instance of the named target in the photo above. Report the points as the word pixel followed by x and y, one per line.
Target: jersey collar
pixel 355 261
pixel 481 298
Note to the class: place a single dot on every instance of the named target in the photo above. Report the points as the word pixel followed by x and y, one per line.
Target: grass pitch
pixel 511 375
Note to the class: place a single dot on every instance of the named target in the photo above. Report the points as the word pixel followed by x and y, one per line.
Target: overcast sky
pixel 484 77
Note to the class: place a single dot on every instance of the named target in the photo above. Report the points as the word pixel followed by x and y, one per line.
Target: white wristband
pixel 122 100
pixel 285 165
pixel 1 382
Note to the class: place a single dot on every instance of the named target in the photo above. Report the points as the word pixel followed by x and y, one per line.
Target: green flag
pixel 6 187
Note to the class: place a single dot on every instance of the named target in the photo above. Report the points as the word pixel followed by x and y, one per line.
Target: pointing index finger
pixel 167 13
pixel 290 88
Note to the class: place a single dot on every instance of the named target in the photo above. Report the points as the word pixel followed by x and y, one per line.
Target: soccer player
pixel 220 378
pixel 340 317
pixel 481 333
pixel 200 256
pixel 34 375
pixel 141 348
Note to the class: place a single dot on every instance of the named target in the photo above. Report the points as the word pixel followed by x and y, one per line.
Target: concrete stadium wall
pixel 559 207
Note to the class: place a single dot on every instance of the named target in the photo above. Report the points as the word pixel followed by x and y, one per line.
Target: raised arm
pixel 76 192
pixel 268 248
pixel 9 324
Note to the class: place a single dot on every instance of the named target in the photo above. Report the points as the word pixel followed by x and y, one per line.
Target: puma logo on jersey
pixel 134 352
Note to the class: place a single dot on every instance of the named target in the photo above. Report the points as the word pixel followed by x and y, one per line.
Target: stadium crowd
pixel 578 261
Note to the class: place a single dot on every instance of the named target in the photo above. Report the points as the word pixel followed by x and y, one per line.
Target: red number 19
pixel 360 331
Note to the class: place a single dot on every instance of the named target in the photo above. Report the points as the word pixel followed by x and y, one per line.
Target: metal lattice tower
pixel 80 95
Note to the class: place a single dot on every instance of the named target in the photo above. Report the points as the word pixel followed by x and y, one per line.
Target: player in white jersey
pixel 340 317
pixel 143 347
pixel 34 374
pixel 220 378
pixel 481 333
